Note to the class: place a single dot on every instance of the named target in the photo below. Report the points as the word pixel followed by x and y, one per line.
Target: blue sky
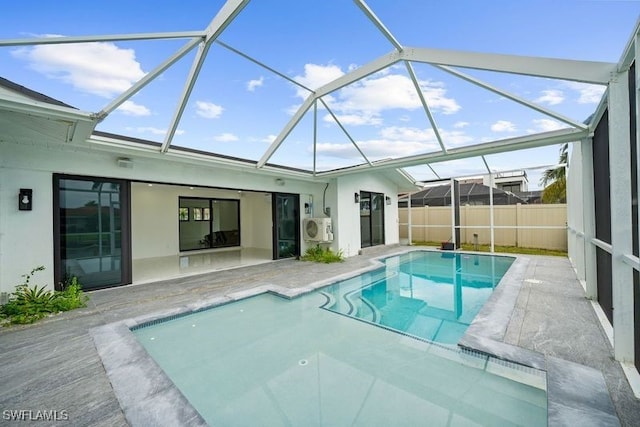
pixel 237 107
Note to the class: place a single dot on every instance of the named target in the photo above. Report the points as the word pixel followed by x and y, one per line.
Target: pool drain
pixel 302 362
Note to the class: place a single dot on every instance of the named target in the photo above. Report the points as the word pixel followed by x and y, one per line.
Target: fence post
pixel 518 222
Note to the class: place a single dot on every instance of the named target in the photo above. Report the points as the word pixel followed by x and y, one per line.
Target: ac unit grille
pixel 317 229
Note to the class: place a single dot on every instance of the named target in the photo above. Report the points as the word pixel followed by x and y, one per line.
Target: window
pixel 212 223
pixel 512 187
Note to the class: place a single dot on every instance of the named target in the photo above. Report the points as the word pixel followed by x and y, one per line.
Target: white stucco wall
pixel 347 226
pixel 26 238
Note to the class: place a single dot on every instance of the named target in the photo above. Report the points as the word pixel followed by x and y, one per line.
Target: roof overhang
pixel 23 119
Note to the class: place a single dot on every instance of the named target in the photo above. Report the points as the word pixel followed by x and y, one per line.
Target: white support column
pixel 621 238
pixel 589 219
pixel 491 223
pixel 409 219
pixel 453 214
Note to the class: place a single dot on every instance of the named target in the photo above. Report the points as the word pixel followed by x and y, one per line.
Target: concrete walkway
pixel 53 365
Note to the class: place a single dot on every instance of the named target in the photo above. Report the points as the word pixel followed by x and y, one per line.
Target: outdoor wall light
pixel 356 197
pixel 387 199
pixel 25 199
pixel 124 162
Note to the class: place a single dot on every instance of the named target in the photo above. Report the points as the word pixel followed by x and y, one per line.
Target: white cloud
pixel 460 125
pixel 363 102
pixel 269 138
pixel 155 131
pixel 503 126
pixel 395 141
pixel 551 97
pixel 225 137
pixel 130 108
pixel 588 94
pixel 98 68
pixel 253 84
pixel 208 110
pixel 316 76
pixel 355 119
pixel 379 93
pixel 547 125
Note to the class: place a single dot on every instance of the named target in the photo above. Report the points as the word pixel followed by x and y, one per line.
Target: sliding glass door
pixel 371 219
pixel 286 230
pixel 92 231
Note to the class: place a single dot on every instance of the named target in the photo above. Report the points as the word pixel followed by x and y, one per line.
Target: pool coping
pixel 147 395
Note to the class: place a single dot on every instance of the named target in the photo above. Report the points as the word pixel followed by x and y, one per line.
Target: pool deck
pixel 54 364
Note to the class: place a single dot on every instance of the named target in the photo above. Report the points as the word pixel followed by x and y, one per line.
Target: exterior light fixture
pixel 124 162
pixel 356 197
pixel 25 199
pixel 387 199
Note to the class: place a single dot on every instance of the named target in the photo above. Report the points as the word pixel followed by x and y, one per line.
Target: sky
pixel 237 107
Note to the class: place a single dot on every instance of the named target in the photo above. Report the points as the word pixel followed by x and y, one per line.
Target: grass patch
pixel 318 254
pixel 501 249
pixel 28 304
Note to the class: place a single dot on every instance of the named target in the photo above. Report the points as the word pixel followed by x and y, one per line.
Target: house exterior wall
pixel 26 237
pixel 347 226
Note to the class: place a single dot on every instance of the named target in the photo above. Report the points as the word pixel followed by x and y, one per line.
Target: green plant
pixel 71 296
pixel 318 254
pixel 29 304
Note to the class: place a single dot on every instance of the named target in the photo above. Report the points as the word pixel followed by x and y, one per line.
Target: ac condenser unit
pixel 317 229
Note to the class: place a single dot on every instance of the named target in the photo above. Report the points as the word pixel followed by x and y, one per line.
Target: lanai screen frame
pixel 448 61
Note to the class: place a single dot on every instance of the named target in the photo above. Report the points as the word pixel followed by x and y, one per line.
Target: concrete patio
pixel 54 365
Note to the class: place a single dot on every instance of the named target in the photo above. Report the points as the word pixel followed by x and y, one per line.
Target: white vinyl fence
pixel 541 226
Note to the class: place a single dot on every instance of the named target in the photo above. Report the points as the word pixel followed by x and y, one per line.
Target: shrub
pixel 29 304
pixel 318 254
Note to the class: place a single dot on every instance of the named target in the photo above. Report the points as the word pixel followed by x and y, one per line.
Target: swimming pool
pixel 430 295
pixel 273 361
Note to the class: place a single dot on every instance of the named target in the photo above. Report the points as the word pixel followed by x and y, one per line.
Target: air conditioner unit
pixel 317 229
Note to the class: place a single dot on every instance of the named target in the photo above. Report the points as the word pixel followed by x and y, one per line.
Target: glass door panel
pixel 371 219
pixel 377 219
pixel 365 219
pixel 286 232
pixel 89 232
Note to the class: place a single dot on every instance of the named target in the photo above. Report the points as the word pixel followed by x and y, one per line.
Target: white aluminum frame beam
pixel 563 69
pixel 345 132
pixel 147 79
pixel 223 18
pixel 588 219
pixel 378 23
pixel 512 97
pixel 425 106
pixel 299 114
pixel 315 135
pixel 501 146
pixel 262 64
pixel 104 38
pixel 621 218
pixel 434 172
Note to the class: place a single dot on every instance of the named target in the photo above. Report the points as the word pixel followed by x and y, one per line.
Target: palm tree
pixel 554 180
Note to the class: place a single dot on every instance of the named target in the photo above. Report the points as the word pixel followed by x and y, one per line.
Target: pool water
pixel 431 295
pixel 270 361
